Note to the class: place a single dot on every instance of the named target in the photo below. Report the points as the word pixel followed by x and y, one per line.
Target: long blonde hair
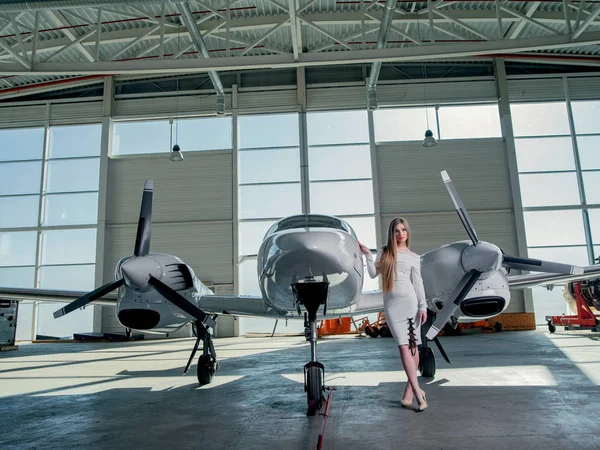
pixel 389 254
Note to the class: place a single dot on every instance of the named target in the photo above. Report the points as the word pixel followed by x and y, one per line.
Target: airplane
pixel 309 267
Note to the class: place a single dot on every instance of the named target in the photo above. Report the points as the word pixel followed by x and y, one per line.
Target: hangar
pixel 244 112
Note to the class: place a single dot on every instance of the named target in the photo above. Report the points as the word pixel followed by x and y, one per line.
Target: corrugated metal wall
pixel 191 216
pixel 410 186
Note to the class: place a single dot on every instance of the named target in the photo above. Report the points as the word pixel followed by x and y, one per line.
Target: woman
pixel 404 301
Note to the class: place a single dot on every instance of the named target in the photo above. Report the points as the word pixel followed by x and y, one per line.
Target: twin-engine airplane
pixel 309 266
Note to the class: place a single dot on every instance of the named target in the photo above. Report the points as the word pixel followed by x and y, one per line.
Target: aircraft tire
pixel 206 369
pixel 427 363
pixel 314 390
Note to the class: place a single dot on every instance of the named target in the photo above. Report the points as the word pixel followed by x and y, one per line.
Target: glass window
pixel 544 228
pixel 73 175
pixel 568 255
pixel 251 236
pixel 20 178
pixel 68 278
pixel 591 183
pixel 134 138
pixel 271 200
pixel 21 144
pixel 547 303
pixel 273 165
pixel 75 141
pixel 69 246
pixel 205 133
pixel 541 154
pixel 17 277
pixel 18 248
pixel 20 211
pixel 586 115
pixel 539 119
pixel 332 163
pixel 276 130
pixel 310 221
pixel 248 277
pixel 338 127
pixel 403 124
pixel 467 122
pixel 594 215
pixel 549 189
pixel 342 198
pixel 71 209
pixel 589 151
pixel 364 228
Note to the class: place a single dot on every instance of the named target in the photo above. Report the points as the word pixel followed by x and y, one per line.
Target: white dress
pixel 407 298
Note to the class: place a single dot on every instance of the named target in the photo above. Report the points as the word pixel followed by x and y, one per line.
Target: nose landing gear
pixel 312 294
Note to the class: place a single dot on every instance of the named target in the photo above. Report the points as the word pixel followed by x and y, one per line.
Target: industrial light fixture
pixel 176 154
pixel 429 140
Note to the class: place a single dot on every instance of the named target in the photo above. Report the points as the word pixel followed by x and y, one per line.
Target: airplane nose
pixel 315 241
pixel 137 271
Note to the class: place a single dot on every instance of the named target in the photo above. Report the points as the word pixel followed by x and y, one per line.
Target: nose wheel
pixel 312 294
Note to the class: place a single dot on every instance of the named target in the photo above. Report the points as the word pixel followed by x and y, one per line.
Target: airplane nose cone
pixel 137 272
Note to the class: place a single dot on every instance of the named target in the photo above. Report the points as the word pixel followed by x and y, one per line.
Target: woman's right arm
pixel 371 266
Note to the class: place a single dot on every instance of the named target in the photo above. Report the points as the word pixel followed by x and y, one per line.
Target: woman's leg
pixel 410 363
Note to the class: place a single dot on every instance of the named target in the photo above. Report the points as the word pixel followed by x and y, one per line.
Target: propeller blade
pixel 459 294
pixel 460 208
pixel 142 240
pixel 537 265
pixel 441 349
pixel 88 298
pixel 180 301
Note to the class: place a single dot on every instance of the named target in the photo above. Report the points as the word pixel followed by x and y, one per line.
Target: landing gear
pixel 312 294
pixel 426 355
pixel 207 363
pixel 128 333
pixel 551 327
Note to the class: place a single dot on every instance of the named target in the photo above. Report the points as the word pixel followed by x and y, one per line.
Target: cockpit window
pixel 310 221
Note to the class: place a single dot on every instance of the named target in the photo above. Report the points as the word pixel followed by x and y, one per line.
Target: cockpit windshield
pixel 310 221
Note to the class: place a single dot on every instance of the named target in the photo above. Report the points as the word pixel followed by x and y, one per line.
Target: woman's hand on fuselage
pixel 364 249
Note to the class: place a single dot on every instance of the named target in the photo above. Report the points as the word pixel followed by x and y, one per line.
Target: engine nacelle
pixel 443 268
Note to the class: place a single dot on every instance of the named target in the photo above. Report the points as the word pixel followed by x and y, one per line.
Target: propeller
pixel 512 262
pixel 142 248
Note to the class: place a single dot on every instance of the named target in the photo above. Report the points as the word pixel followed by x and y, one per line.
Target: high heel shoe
pixel 406 403
pixel 421 405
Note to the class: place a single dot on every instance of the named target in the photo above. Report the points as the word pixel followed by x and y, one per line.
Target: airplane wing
pixel 47 295
pixel 369 302
pixel 542 279
pixel 237 305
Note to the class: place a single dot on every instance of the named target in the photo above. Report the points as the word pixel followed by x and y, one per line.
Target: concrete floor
pixel 518 390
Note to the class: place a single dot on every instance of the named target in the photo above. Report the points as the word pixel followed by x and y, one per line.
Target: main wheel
pixel 427 363
pixel 372 331
pixel 314 390
pixel 498 327
pixel 206 369
pixel 385 332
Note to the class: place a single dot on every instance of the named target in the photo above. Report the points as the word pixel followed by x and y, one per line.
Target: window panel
pixel 538 119
pixel 20 211
pixel 333 163
pixel 204 133
pixel 248 277
pixel 339 127
pixel 544 228
pixel 276 130
pixel 71 209
pixel 364 227
pixel 79 321
pixel 547 303
pixel 68 278
pixel 594 215
pixel 403 124
pixel 17 277
pixel 18 248
pixel 251 235
pixel 75 141
pixel 73 175
pixel 549 189
pixel 586 116
pixel 69 246
pixel 272 200
pixel 466 122
pixel 20 178
pixel 273 165
pixel 544 154
pixel 591 183
pixel 589 151
pixel 21 144
pixel 342 197
pixel 568 255
pixel 134 138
